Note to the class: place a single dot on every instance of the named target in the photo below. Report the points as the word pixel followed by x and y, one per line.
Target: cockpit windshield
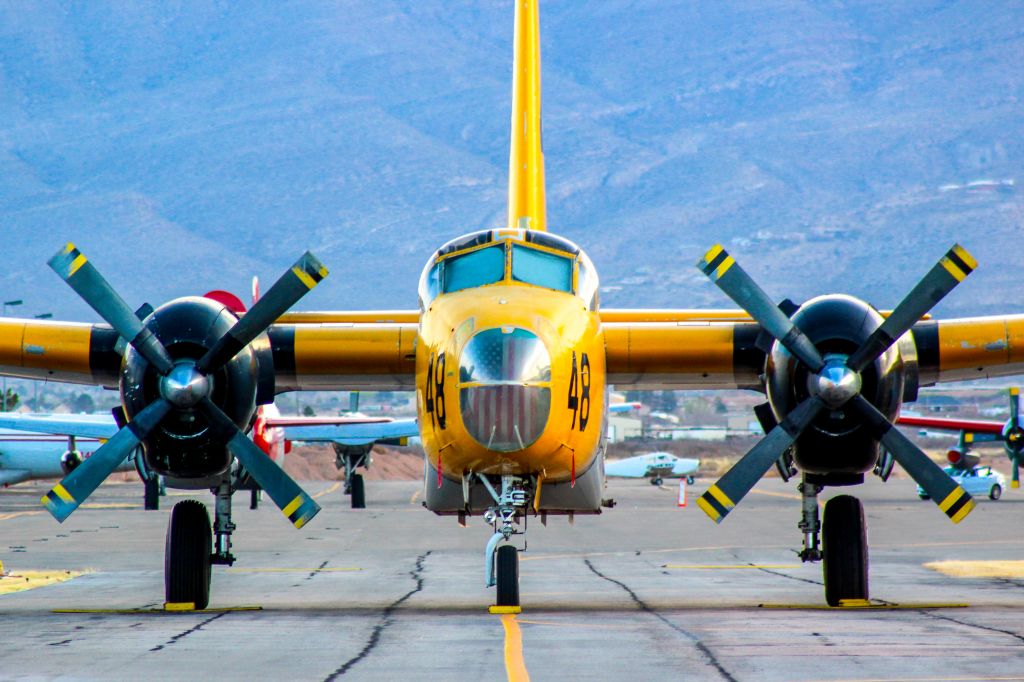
pixel 474 269
pixel 541 268
pixel 489 257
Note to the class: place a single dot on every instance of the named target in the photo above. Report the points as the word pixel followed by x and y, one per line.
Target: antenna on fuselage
pixel 526 204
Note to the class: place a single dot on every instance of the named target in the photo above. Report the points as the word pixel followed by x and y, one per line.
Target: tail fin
pixel 526 204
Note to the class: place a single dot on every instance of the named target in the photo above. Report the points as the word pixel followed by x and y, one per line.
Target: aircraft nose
pixel 505 388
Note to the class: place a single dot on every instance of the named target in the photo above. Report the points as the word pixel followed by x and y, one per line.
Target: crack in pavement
pixel 939 616
pixel 645 607
pixel 188 632
pixel 385 622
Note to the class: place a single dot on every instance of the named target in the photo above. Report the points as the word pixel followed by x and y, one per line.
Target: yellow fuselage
pixel 572 428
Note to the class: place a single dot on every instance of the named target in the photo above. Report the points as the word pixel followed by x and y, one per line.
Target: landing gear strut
pixel 223 526
pixel 501 558
pixel 809 524
pixel 349 457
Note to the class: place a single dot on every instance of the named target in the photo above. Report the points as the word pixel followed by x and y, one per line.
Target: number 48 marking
pixel 579 391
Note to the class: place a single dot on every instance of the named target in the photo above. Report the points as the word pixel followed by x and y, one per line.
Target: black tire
pixel 689 480
pixel 187 557
pixel 358 492
pixel 508 575
pixel 996 492
pixel 254 497
pixel 151 493
pixel 845 550
pixel 656 481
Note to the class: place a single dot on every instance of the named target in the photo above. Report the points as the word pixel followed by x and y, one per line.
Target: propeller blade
pixel 297 506
pixel 727 492
pixel 1015 481
pixel 951 498
pixel 1014 406
pixel 65 497
pixel 951 269
pixel 74 268
pixel 733 280
pixel 307 272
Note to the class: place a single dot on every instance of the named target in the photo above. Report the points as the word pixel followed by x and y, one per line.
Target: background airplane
pixel 653 465
pixel 27 455
pixel 1010 433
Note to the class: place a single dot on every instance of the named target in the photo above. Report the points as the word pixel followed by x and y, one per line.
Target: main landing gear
pixel 349 457
pixel 501 558
pixel 844 546
pixel 188 557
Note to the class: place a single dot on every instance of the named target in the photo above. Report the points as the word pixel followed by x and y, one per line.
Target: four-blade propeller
pixel 835 382
pixel 184 384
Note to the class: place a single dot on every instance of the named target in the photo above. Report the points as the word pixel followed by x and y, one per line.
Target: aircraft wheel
pixel 254 498
pixel 187 557
pixel 996 492
pixel 358 492
pixel 508 576
pixel 845 550
pixel 689 480
pixel 151 493
pixel 656 481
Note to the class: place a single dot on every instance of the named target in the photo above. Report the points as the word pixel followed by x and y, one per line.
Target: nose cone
pixel 836 383
pixel 184 386
pixel 505 388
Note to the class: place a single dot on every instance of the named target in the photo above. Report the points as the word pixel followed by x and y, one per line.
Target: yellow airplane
pixel 511 357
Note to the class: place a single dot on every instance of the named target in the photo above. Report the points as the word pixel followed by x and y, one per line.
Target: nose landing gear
pixel 501 558
pixel 843 549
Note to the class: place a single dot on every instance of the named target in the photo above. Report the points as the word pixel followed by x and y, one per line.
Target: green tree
pixel 13 400
pixel 308 411
pixel 83 404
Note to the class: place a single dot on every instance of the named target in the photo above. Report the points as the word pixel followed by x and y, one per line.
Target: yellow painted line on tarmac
pixel 294 570
pixel 416 494
pixel 515 666
pixel 13 515
pixel 700 567
pixel 327 491
pixel 19 581
pixel 862 607
pixel 175 609
pixel 979 569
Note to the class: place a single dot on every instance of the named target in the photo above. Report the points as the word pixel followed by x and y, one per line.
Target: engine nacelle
pixel 962 460
pixel 836 442
pixel 184 446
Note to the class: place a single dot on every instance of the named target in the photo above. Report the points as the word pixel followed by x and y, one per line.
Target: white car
pixel 977 481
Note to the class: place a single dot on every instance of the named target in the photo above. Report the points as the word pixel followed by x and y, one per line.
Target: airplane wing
pixel 345 430
pixel 970 425
pixel 100 427
pixel 643 351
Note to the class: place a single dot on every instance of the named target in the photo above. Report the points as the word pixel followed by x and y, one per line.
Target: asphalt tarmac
pixel 646 591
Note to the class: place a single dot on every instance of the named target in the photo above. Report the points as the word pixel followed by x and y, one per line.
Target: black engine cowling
pixel 837 442
pixel 183 445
